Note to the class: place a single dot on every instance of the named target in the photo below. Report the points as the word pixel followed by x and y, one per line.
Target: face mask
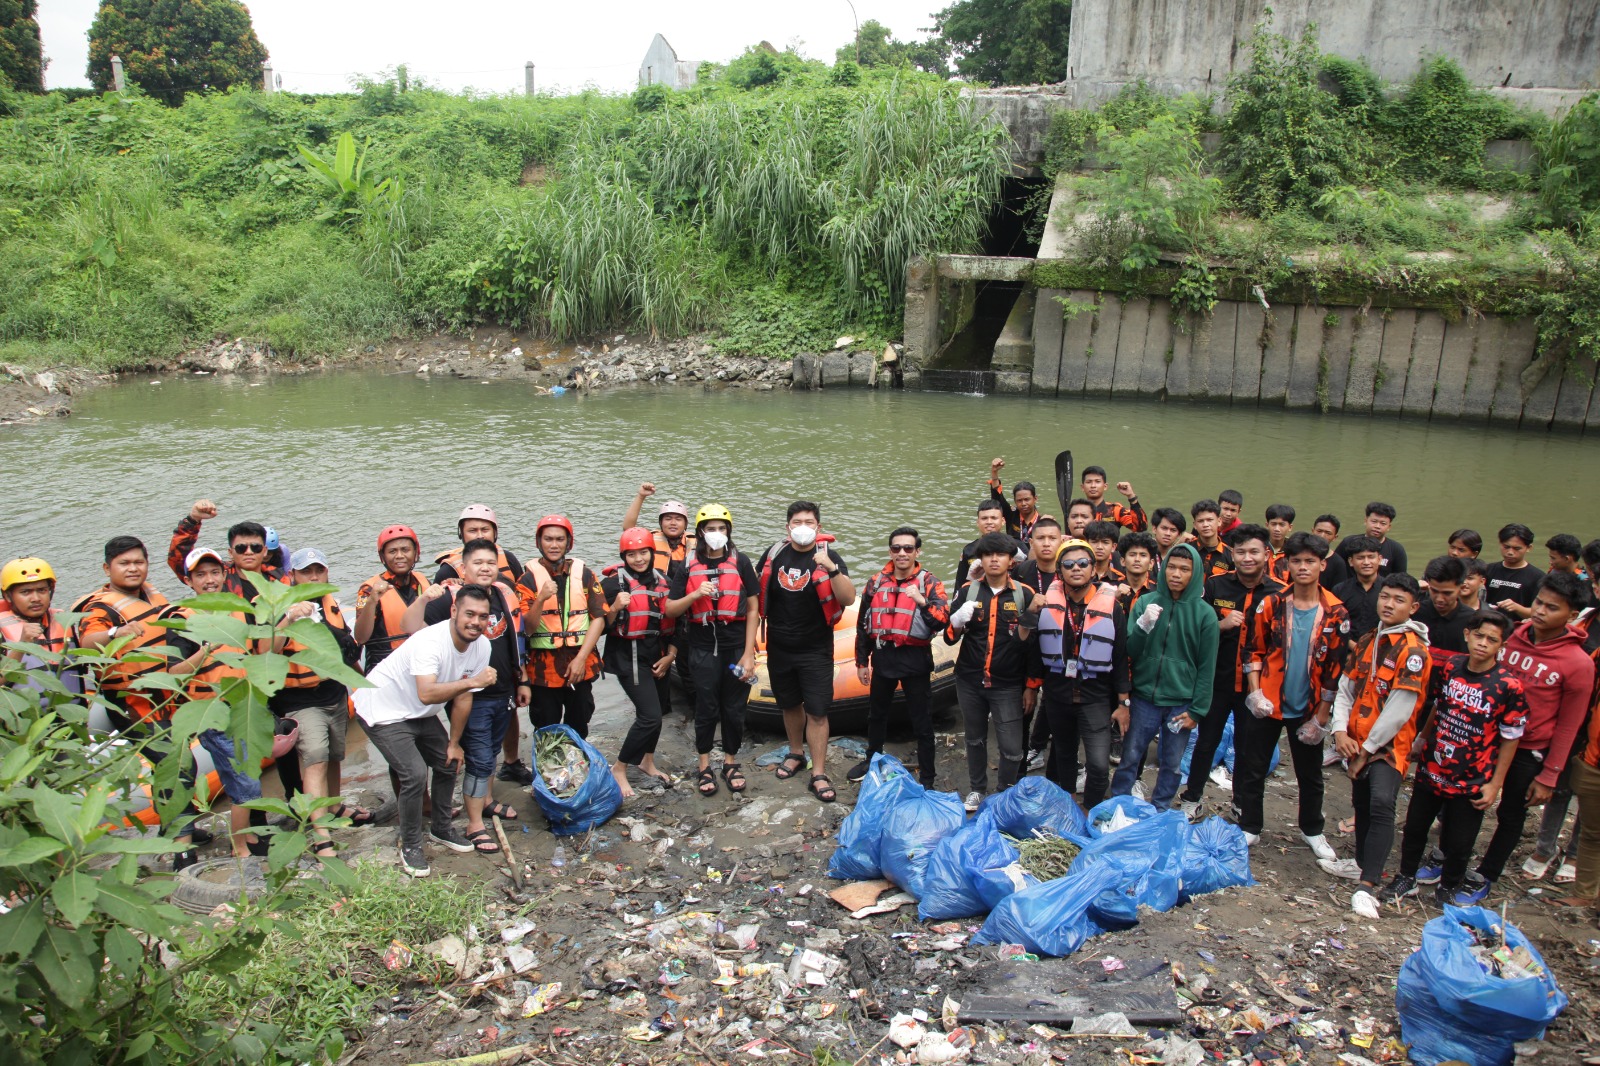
pixel 716 540
pixel 803 536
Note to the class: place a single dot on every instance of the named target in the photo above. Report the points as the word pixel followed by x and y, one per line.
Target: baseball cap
pixel 307 557
pixel 673 507
pixel 196 554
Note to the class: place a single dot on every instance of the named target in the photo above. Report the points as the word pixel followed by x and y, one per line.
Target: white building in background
pixel 661 66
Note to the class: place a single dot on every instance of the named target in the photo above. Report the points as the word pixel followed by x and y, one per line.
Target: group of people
pixel 1089 646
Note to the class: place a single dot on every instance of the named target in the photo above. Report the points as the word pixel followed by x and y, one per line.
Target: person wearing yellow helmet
pixel 27 616
pixel 715 594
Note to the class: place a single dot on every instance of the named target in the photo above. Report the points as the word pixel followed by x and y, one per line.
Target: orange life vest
pixel 728 604
pixel 1380 666
pixel 666 554
pixel 55 634
pixel 391 606
pixel 644 615
pixel 115 679
pixel 300 675
pixel 564 620
pixel 821 582
pixel 453 558
pixel 1096 641
pixel 892 616
pixel 205 682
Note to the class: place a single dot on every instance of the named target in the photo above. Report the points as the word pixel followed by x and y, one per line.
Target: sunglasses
pixel 251 549
pixel 1075 564
pixel 902 549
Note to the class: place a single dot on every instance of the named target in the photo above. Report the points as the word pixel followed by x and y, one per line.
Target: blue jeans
pixel 238 786
pixel 480 742
pixel 1145 720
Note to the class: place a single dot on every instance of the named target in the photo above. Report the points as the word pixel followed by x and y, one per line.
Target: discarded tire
pixel 208 884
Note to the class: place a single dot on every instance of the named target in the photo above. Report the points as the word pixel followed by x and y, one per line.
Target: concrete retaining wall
pixel 1404 362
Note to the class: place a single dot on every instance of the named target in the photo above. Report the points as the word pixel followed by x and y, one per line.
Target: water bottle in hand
pixel 750 679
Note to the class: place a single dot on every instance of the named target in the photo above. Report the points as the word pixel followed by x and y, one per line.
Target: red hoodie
pixel 1557 678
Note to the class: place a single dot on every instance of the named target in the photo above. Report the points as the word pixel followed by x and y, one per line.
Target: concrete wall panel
pixel 1337 342
pixel 1394 361
pixel 1180 369
pixel 1157 348
pixel 1305 355
pixel 1456 357
pixel 1103 357
pixel 1483 373
pixel 1048 325
pixel 1076 337
pixel 1222 337
pixel 1514 340
pixel 1132 348
pixel 1364 351
pixel 1577 390
pixel 1427 347
pixel 1540 406
pixel 1247 353
pixel 1277 357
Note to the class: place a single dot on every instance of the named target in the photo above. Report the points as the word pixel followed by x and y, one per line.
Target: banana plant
pixel 355 193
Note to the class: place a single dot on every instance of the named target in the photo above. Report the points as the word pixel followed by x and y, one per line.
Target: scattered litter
pixel 906 1031
pixel 542 999
pixel 398 957
pixel 1112 1023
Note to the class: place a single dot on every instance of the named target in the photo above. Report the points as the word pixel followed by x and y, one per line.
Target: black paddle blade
pixel 1064 486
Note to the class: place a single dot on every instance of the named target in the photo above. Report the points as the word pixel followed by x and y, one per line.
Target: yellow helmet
pixel 1070 544
pixel 713 511
pixel 22 571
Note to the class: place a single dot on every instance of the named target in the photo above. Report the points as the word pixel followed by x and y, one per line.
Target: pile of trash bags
pixel 572 781
pixel 1129 856
pixel 1474 989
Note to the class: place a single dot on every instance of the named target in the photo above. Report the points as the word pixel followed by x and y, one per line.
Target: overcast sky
pixel 482 44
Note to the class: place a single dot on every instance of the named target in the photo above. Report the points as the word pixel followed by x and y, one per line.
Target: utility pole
pixel 858 30
pixel 266 75
pixel 117 80
pixel 527 78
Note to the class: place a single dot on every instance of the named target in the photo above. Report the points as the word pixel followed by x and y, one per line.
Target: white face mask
pixel 803 536
pixel 716 540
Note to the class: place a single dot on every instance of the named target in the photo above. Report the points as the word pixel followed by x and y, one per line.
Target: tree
pixel 173 47
pixel 21 54
pixel 1008 42
pixel 878 49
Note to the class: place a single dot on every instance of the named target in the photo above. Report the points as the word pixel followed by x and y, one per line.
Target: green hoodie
pixel 1174 663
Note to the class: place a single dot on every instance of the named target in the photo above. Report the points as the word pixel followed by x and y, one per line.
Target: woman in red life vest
pixel 639 649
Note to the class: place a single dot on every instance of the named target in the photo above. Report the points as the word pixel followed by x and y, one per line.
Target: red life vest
pixel 893 617
pixel 55 634
pixel 643 616
pixel 821 581
pixel 728 604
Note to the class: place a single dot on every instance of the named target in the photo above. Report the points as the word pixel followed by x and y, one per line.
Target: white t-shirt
pixel 430 652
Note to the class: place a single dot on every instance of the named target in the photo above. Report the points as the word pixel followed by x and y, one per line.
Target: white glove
pixel 963 614
pixel 1258 704
pixel 1147 618
pixel 1312 731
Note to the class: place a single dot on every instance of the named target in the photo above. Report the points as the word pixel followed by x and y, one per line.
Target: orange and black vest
pixel 728 604
pixel 821 582
pixel 391 608
pixel 55 634
pixel 564 620
pixel 643 616
pixel 453 559
pixel 141 653
pixel 205 683
pixel 666 554
pixel 300 675
pixel 892 616
pixel 1398 660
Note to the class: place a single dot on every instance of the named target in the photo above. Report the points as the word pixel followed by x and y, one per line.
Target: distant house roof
pixel 661 66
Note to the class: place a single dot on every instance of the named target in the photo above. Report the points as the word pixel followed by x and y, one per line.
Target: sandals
pixel 825 792
pixel 1566 874
pixel 730 771
pixel 501 811
pixel 322 849
pixel 792 764
pixel 483 841
pixel 706 782
pixel 358 815
pixel 1535 868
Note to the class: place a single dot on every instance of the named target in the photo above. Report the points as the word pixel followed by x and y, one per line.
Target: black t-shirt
pixel 1446 633
pixel 968 557
pixel 1519 586
pixel 503 654
pixel 1362 605
pixel 1393 552
pixel 1227 593
pixel 649 646
pixel 1029 574
pixel 795 622
pixel 1334 571
pixel 721 636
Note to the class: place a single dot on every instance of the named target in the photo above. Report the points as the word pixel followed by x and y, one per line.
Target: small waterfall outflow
pixel 976 382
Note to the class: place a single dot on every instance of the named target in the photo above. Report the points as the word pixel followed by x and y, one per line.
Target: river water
pixel 330 459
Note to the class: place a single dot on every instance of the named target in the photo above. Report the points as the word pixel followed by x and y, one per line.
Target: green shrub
pixel 1156 196
pixel 1436 130
pixel 1568 171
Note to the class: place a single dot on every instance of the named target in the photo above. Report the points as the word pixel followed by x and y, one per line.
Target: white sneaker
pixel 1190 809
pixel 1320 847
pixel 1348 869
pixel 974 801
pixel 1220 776
pixel 1083 781
pixel 1365 904
pixel 1252 839
pixel 1138 790
pixel 1036 761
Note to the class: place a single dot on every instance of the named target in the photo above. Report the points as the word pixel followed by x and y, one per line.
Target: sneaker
pixel 1252 839
pixel 452 838
pixel 414 861
pixel 1432 867
pixel 974 801
pixel 1036 761
pixel 1320 847
pixel 184 859
pixel 1190 809
pixel 519 772
pixel 1083 781
pixel 859 770
pixel 1221 777
pixel 1348 869
pixel 1364 903
pixel 1138 790
pixel 200 837
pixel 1331 756
pixel 1472 890
pixel 1399 887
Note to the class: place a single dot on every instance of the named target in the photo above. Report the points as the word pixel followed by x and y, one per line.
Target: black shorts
pixel 805 679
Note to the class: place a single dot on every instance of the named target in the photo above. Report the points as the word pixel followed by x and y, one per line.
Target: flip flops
pixel 483 842
pixel 501 811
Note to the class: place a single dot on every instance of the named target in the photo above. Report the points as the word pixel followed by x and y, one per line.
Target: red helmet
pixel 478 511
pixel 636 538
pixel 559 520
pixel 397 533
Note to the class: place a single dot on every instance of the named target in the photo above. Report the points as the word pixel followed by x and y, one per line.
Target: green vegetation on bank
pixel 776 215
pixel 1315 182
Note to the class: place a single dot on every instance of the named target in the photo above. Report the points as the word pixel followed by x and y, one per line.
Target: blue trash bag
pixel 1224 751
pixel 1215 857
pixel 1478 1009
pixel 1146 861
pixel 596 800
pixel 856 857
pixel 1038 803
pixel 1130 806
pixel 1052 917
pixel 912 830
pixel 947 890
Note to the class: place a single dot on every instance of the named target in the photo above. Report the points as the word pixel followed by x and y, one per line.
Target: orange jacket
pixel 1265 640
